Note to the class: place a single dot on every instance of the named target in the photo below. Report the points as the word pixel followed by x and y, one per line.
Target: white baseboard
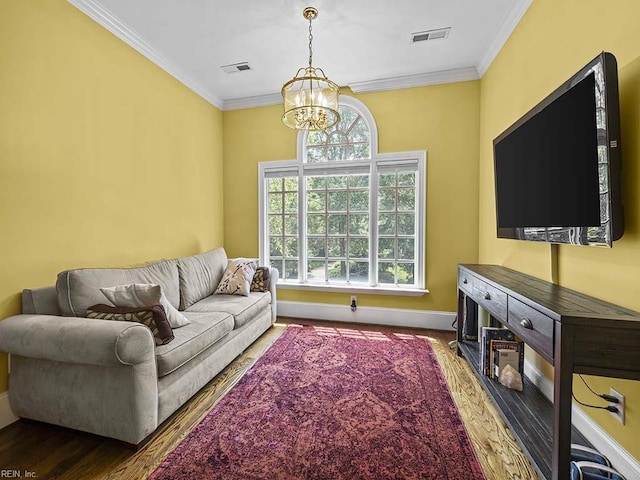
pixel 396 317
pixel 6 414
pixel 621 460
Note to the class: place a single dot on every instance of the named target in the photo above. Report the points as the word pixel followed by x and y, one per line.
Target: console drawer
pixel 534 328
pixel 490 298
pixel 465 282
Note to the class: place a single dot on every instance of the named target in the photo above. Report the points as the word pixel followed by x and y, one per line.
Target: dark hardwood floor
pixel 52 452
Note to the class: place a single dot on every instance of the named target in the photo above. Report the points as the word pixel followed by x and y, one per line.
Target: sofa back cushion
pixel 200 275
pixel 80 289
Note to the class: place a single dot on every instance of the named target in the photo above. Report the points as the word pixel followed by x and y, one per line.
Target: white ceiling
pixel 363 44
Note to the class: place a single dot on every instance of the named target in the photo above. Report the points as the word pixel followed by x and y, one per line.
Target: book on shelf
pixel 503 352
pixel 495 334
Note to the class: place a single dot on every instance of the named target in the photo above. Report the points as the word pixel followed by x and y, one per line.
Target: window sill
pixel 386 290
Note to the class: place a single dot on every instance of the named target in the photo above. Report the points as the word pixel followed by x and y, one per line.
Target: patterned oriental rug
pixel 332 403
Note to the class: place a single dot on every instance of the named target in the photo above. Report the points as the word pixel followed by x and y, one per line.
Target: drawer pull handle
pixel 526 323
pixel 464 280
pixel 487 296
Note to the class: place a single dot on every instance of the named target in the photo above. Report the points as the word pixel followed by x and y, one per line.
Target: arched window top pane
pixel 349 139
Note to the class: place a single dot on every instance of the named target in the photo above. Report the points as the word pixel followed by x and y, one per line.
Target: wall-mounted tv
pixel 558 168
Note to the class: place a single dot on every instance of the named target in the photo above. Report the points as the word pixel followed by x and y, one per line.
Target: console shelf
pixel 572 331
pixel 527 412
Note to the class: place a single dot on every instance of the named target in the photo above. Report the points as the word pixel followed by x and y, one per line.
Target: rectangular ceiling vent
pixel 437 34
pixel 236 67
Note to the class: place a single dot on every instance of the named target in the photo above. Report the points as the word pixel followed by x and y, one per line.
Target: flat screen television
pixel 558 168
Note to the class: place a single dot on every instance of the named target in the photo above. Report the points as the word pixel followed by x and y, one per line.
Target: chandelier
pixel 310 98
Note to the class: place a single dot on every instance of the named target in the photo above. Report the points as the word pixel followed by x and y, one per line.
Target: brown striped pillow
pixel 153 317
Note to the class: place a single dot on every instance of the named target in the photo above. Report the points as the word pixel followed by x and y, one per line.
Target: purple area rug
pixel 332 403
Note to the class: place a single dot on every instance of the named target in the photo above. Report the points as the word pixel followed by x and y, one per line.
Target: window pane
pixel 359 224
pixel 386 248
pixel 275 247
pixel 291 184
pixel 337 201
pixel 337 224
pixel 337 247
pixel 337 181
pixel 316 183
pixel 275 184
pixel 407 178
pixel 316 247
pixel 316 224
pixel 387 180
pixel 277 263
pixel 359 181
pixel 358 201
pixel 359 272
pixel 290 247
pixel 406 248
pixel 337 152
pixel 406 224
pixel 291 224
pixel 290 202
pixel 316 154
pixel 386 272
pixel 316 271
pixel 387 224
pixel 405 273
pixel 387 200
pixel 316 137
pixel 338 271
pixel 316 201
pixel 406 199
pixel 275 203
pixel 347 117
pixel 359 132
pixel 275 224
pixel 361 150
pixel 290 269
pixel 358 247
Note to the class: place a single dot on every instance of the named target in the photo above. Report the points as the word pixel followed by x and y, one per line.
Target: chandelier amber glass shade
pixel 310 98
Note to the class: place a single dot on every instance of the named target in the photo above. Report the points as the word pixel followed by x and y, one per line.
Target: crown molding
pixel 419 80
pixel 250 102
pixel 504 32
pixel 112 23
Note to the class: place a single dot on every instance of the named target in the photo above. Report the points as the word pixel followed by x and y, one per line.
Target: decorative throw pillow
pixel 144 295
pixel 261 280
pixel 237 277
pixel 153 317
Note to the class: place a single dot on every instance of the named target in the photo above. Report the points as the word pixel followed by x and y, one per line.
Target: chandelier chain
pixel 310 43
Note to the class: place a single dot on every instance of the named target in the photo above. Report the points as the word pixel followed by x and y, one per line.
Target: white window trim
pixel 298 168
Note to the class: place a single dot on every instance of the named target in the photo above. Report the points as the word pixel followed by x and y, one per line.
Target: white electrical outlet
pixel 620 405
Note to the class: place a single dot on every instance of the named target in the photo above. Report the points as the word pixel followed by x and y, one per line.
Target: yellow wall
pixel 105 159
pixel 553 40
pixel 441 119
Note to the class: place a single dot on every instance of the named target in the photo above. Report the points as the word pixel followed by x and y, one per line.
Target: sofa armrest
pixel 274 274
pixel 77 340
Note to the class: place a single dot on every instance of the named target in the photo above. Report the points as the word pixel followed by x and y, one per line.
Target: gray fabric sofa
pixel 109 377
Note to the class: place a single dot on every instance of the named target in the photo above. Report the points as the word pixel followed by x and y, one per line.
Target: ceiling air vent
pixel 437 34
pixel 236 67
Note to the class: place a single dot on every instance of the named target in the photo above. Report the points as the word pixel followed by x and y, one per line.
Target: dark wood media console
pixel 576 333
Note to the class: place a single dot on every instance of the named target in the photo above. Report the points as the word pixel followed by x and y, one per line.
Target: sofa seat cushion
pixel 204 330
pixel 242 308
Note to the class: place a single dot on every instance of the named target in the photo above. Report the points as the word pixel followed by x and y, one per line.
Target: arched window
pixel 342 215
